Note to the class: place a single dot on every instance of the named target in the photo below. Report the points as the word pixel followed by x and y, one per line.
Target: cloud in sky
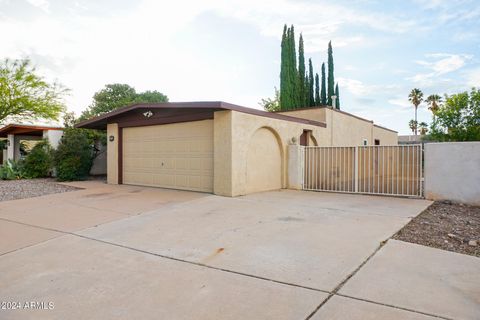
pixel 229 50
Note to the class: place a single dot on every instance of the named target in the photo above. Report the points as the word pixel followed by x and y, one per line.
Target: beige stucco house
pixel 219 147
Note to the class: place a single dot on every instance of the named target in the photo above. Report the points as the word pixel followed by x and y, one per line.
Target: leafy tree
pixel 323 94
pixel 337 93
pixel 413 124
pixel 74 155
pixel 331 80
pixel 416 98
pixel 317 90
pixel 434 101
pixel 117 95
pixel 26 95
pixel 271 105
pixel 151 97
pixel 311 92
pixel 303 85
pixel 39 161
pixel 458 119
pixel 423 128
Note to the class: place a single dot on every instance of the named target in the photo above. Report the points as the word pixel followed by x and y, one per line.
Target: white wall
pixel 452 172
pixel 53 137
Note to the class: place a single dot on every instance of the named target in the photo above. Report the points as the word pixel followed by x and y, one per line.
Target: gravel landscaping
pixel 444 225
pixel 28 188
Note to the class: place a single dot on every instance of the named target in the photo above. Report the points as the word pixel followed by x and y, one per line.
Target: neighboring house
pixel 410 139
pixel 16 133
pixel 219 147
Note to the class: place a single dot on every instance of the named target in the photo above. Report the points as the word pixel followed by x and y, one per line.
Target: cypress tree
pixel 323 93
pixel 302 86
pixel 338 97
pixel 293 73
pixel 311 99
pixel 317 90
pixel 283 71
pixel 331 80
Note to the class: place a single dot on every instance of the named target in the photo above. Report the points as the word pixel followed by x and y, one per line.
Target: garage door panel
pixel 176 156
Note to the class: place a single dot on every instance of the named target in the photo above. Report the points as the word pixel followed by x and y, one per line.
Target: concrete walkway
pixel 125 252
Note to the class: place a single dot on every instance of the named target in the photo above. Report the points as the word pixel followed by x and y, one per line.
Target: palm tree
pixel 434 101
pixel 423 128
pixel 416 97
pixel 413 124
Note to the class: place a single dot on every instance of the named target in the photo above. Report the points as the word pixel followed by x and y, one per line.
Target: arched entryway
pixel 264 161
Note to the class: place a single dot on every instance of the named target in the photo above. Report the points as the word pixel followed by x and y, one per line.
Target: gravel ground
pixel 448 226
pixel 28 188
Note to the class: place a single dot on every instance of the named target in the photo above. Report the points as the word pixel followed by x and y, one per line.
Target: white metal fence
pixel 388 170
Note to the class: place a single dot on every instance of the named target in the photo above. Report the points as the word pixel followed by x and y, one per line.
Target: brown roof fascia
pixel 201 105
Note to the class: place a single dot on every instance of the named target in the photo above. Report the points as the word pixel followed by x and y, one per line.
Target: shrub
pixel 74 155
pixel 38 163
pixel 11 170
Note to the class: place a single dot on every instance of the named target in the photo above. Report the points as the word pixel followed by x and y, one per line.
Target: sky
pixel 229 50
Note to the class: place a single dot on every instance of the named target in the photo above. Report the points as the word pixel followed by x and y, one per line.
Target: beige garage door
pixel 178 156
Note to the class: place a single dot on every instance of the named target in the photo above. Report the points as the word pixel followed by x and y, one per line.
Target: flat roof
pixel 101 121
pixel 26 129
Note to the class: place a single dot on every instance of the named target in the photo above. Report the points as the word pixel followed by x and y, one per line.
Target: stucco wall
pixel 344 129
pixel 231 155
pixel 112 153
pixel 452 171
pixel 386 137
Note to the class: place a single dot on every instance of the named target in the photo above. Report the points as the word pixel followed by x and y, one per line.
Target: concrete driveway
pixel 125 252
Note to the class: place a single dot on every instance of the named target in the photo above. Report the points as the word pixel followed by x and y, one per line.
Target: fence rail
pixel 388 170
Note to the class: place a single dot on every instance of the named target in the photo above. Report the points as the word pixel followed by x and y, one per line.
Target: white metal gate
pixel 387 170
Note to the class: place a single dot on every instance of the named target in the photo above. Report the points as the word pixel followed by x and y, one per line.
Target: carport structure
pixel 15 133
pixel 213 147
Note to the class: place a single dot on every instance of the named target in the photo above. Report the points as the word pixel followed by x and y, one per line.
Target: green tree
pixel 302 86
pixel 337 93
pixel 117 95
pixel 296 98
pixel 423 128
pixel 323 94
pixel 271 105
pixel 413 124
pixel 150 97
pixel 331 80
pixel 26 95
pixel 416 98
pixel 458 119
pixel 434 101
pixel 311 91
pixel 317 90
pixel 39 161
pixel 74 155
pixel 284 70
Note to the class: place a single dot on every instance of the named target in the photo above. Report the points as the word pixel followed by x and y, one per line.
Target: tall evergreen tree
pixel 331 80
pixel 284 71
pixel 338 97
pixel 317 90
pixel 323 93
pixel 295 99
pixel 311 99
pixel 302 86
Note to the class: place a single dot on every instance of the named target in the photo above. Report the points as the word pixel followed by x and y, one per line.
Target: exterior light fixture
pixel 111 138
pixel 148 114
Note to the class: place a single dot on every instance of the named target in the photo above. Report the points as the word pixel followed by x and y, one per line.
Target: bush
pixel 74 155
pixel 11 170
pixel 38 163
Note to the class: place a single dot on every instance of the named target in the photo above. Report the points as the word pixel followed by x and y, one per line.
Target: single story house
pixel 16 133
pixel 219 147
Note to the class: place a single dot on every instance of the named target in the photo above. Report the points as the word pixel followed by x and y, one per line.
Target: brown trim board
pixel 120 155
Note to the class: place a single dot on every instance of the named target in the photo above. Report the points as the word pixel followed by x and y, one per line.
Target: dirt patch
pixel 29 188
pixel 449 226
